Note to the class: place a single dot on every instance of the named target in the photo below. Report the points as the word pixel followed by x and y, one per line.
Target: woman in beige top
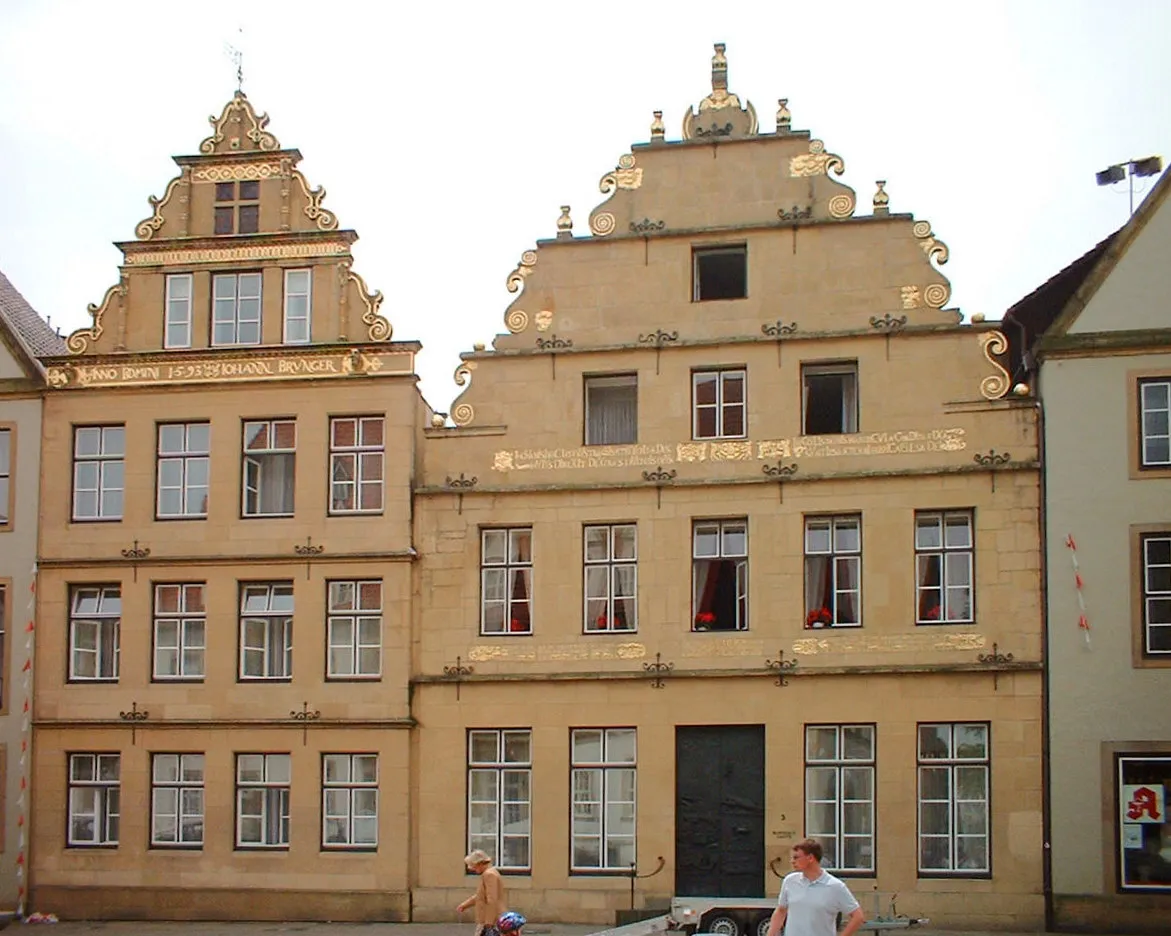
pixel 489 896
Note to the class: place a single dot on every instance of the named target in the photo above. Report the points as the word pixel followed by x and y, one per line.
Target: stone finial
pixel 438 420
pixel 720 69
pixel 881 199
pixel 478 346
pixel 978 317
pixel 784 118
pixel 658 129
pixel 720 113
pixel 564 224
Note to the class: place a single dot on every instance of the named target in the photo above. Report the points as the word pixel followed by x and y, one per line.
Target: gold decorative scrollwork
pixel 841 206
pixel 236 110
pixel 994 386
pixel 378 328
pixel 517 320
pixel 326 220
pixel 247 172
pixel 935 249
pixel 147 228
pixel 463 373
pixel 516 279
pixel 910 297
pixel 544 319
pixel 603 224
pixel 936 295
pixel 816 162
pixel 462 414
pixel 78 341
pixel 625 176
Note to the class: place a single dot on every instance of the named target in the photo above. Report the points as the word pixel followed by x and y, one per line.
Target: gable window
pixel 1143 834
pixel 719 550
pixel 953 799
pixel 6 490
pixel 270 461
pixel 349 800
pixel 237 209
pixel 263 786
pixel 943 567
pixel 95 799
pixel 717 399
pixel 833 572
pixel 356 445
pixel 235 318
pixel 719 273
pixel 611 410
pixel 298 306
pixel 266 631
pixel 180 631
pixel 500 774
pixel 177 333
pixel 604 768
pixel 611 577
pixel 95 621
pixel 98 472
pixel 1155 416
pixel 506 581
pixel 829 399
pixel 355 630
pixel 184 457
pixel 839 794
pixel 176 800
pixel 1156 608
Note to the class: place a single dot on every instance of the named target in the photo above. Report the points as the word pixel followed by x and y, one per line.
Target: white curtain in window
pixel 611 411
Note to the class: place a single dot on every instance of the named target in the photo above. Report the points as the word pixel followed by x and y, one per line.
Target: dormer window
pixel 237 209
pixel 720 273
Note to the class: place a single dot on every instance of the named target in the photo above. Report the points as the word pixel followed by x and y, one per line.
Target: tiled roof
pixel 32 330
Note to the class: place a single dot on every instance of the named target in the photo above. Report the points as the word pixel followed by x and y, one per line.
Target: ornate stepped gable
pixel 240 204
pixel 727 182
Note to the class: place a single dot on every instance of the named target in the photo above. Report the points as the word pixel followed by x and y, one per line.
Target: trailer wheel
pixel 762 924
pixel 723 924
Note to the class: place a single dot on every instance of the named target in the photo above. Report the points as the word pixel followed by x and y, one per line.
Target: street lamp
pixel 1148 166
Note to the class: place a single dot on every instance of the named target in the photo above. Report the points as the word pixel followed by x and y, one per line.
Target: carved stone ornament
pixel 720 113
pixel 148 227
pixel 816 162
pixel 627 175
pixel 239 129
pixel 377 326
pixel 996 385
pixel 517 320
pixel 935 249
pixel 881 198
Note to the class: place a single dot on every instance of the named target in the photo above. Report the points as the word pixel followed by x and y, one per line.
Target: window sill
pixel 356 678
pixel 272 516
pixel 162 518
pixel 356 513
pixel 971 622
pixel 954 875
pixel 527 633
pixel 264 679
pixel 722 438
pixel 96 520
pixel 90 680
pixel 107 846
pixel 180 847
pixel 349 849
pixel 592 631
pixel 187 680
pixel 261 848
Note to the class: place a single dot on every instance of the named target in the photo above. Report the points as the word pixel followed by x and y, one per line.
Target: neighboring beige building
pixel 1099 338
pixel 23 335
pixel 222 717
pixel 732 538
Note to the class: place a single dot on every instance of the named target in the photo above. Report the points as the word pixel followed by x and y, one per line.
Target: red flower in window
pixel 704 619
pixel 516 625
pixel 932 613
pixel 601 623
pixel 818 617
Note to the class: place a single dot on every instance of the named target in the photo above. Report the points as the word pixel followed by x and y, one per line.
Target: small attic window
pixel 720 273
pixel 238 209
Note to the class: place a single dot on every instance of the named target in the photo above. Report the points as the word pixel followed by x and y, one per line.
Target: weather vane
pixel 235 54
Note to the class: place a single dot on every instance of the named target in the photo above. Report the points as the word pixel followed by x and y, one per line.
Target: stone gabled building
pixel 732 538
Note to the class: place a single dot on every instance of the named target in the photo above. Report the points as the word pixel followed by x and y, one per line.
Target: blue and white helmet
pixel 510 922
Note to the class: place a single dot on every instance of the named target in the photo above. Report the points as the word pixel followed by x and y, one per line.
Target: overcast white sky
pixel 447 134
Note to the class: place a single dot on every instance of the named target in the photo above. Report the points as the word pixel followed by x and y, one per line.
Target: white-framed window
pixel 506 581
pixel 1155 423
pixel 1156 594
pixel 954 764
pixel 95 620
pixel 176 800
pixel 718 404
pixel 604 769
pixel 177 333
pixel 99 466
pixel 944 566
pixel 719 575
pixel 298 306
pixel 839 794
pixel 611 410
pixel 349 801
pixel 1142 830
pixel 355 629
pixel 500 776
pixel 235 316
pixel 833 572
pixel 356 448
pixel 270 467
pixel 184 459
pixel 263 784
pixel 180 630
pixel 6 436
pixel 611 577
pixel 829 399
pixel 94 799
pixel 266 630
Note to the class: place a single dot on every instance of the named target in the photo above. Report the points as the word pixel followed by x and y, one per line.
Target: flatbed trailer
pixel 750 916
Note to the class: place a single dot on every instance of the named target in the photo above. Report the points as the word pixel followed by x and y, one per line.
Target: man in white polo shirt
pixel 811 898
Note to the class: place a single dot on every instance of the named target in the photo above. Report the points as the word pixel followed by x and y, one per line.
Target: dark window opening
pixel 249 191
pixel 223 220
pixel 830 400
pixel 721 273
pixel 720 575
pixel 249 219
pixel 225 191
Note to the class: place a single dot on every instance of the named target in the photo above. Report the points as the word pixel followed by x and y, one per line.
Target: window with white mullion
pixel 506 581
pixel 500 795
pixel 235 309
pixel 611 578
pixel 266 631
pixel 719 572
pixel 98 472
pixel 604 798
pixel 184 451
pixel 833 572
pixel 95 619
pixel 953 796
pixel 269 468
pixel 355 629
pixel 298 306
pixel 356 450
pixel 180 631
pixel 262 800
pixel 944 566
pixel 1155 423
pixel 176 800
pixel 94 799
pixel 349 801
pixel 177 330
pixel 839 794
pixel 718 404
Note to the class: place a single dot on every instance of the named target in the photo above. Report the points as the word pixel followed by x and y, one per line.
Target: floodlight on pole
pixel 1147 166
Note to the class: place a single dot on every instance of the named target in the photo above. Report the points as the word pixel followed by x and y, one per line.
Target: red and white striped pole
pixel 26 679
pixel 1083 622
